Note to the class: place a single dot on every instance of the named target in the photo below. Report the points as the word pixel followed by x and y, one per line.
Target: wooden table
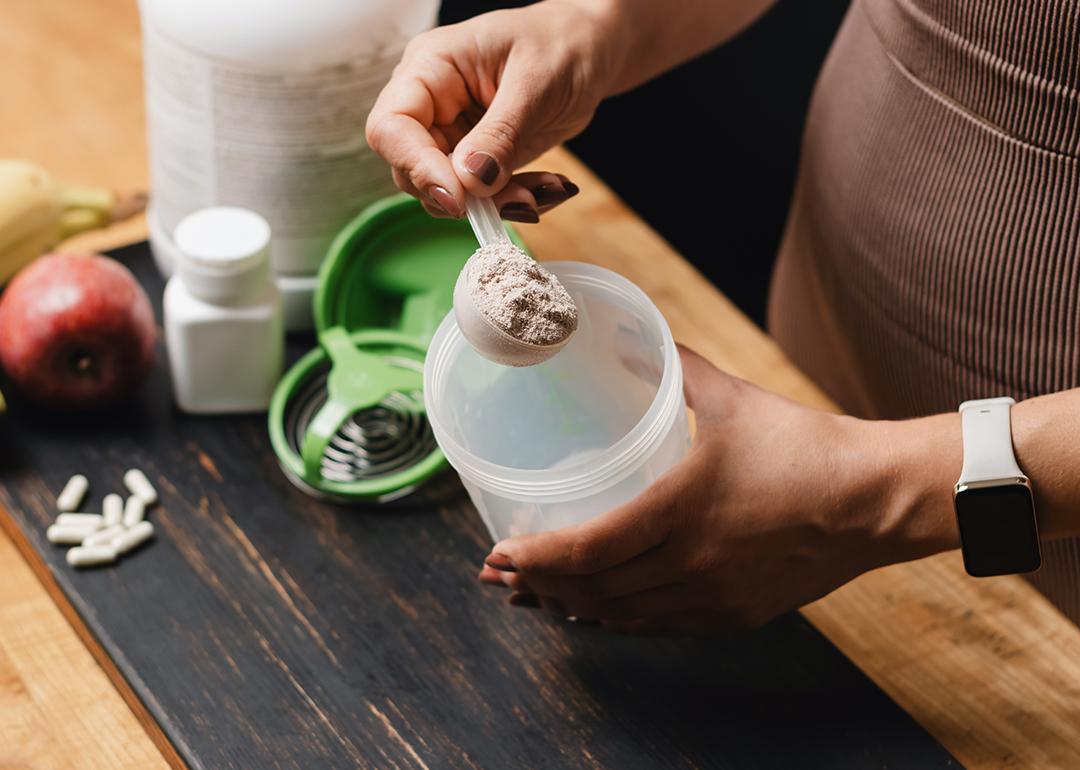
pixel 988 667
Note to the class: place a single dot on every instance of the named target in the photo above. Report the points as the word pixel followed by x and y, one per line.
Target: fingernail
pixel 500 562
pixel 571 188
pixel 550 194
pixel 442 198
pixel 520 212
pixel 491 580
pixel 525 600
pixel 483 167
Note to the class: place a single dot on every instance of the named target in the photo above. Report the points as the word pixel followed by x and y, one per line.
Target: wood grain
pixel 58 710
pixel 265 629
pixel 70 94
pixel 989 666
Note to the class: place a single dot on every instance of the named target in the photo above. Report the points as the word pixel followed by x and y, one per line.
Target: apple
pixel 76 331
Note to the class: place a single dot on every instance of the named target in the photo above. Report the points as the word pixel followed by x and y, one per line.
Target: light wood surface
pixel 58 709
pixel 989 667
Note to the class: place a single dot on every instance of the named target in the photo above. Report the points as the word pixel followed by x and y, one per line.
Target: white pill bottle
pixel 261 104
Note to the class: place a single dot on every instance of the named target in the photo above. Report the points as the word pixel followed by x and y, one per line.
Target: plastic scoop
pixel 486 338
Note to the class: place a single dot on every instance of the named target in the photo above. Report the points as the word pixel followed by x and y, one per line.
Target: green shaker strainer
pixel 347 421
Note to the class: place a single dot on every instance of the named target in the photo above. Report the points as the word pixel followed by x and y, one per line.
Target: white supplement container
pixel 262 104
pixel 548 446
pixel 224 323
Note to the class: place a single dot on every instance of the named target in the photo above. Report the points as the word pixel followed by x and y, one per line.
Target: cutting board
pixel 265 629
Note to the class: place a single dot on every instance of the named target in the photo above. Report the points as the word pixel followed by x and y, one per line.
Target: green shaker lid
pixel 393 267
pixel 347 420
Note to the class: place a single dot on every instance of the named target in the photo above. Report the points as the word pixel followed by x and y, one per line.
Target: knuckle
pixel 374 131
pixel 524 561
pixel 402 182
pixel 423 43
pixel 705 559
pixel 501 133
pixel 586 555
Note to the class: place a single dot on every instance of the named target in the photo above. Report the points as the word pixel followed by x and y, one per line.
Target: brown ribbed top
pixel 932 253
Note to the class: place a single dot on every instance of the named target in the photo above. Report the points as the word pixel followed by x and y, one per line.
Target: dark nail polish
pixel 525 600
pixel 500 562
pixel 442 198
pixel 483 167
pixel 550 194
pixel 520 212
pixel 571 188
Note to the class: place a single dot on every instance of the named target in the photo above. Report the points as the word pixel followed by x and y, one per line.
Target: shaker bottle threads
pixel 224 326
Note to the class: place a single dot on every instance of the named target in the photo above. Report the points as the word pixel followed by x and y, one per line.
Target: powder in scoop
pixel 519 296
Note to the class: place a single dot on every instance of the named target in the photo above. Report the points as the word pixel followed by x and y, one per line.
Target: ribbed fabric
pixel 932 252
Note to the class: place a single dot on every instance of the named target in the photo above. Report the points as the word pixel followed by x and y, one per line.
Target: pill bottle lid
pixel 223 252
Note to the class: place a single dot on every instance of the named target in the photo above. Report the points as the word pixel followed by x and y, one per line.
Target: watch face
pixel 998 530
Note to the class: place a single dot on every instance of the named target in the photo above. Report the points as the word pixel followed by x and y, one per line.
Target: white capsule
pixel 134 537
pixel 67 534
pixel 140 486
pixel 134 511
pixel 73 493
pixel 92 521
pixel 88 556
pixel 104 536
pixel 113 509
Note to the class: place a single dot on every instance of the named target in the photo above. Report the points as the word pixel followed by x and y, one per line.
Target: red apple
pixel 76 331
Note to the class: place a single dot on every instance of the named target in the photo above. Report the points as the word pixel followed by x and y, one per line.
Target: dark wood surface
pixel 264 629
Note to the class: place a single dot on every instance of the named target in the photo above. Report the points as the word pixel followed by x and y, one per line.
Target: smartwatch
pixel 995 507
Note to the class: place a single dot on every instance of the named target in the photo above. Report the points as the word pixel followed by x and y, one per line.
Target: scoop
pixel 486 338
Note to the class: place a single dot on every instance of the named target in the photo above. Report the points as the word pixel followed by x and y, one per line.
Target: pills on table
pixel 67 534
pixel 134 511
pixel 91 521
pixel 71 497
pixel 88 556
pixel 134 537
pixel 104 536
pixel 112 509
pixel 140 486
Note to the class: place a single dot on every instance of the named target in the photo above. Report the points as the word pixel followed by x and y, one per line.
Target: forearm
pixel 649 37
pixel 913 465
pixel 1045 441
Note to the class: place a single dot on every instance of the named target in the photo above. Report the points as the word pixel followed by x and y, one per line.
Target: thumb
pixel 703 384
pixel 601 542
pixel 486 157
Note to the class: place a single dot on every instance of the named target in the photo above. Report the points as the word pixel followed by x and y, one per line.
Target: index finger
pixel 399 129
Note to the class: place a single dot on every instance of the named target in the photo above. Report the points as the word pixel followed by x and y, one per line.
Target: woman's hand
pixel 775 505
pixel 497 90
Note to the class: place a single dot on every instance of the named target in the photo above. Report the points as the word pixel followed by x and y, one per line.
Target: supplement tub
pixel 548 446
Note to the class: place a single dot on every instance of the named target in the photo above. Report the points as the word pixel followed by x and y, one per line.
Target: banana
pixel 37 212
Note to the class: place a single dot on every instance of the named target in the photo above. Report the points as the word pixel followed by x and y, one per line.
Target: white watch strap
pixel 988 448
